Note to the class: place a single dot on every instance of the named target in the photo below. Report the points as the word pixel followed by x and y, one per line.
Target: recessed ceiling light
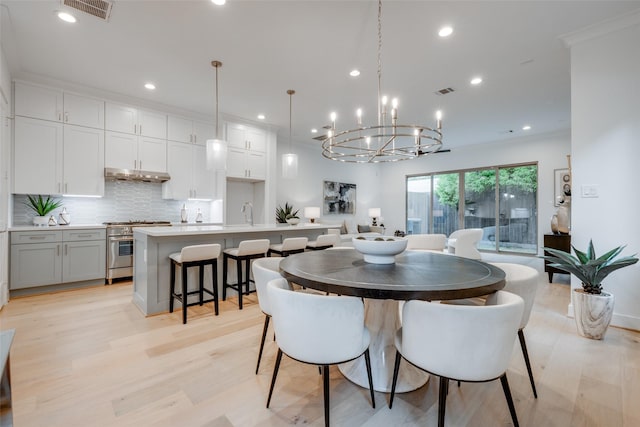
pixel 476 80
pixel 66 17
pixel 354 73
pixel 526 127
pixel 445 31
pixel 218 2
pixel 150 86
pixel 261 117
pixel 314 130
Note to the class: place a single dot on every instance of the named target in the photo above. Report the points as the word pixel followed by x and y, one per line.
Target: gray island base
pixel 152 246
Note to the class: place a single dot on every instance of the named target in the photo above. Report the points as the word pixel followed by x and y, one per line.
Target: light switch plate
pixel 589 191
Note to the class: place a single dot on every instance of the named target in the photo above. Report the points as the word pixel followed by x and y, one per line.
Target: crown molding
pixel 602 28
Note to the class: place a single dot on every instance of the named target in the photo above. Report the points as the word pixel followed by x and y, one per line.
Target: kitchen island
pixel 152 246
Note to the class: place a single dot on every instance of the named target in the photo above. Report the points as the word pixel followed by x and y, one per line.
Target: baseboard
pixel 618 320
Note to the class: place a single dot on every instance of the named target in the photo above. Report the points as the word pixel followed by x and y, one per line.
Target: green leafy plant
pixel 41 206
pixel 591 270
pixel 283 214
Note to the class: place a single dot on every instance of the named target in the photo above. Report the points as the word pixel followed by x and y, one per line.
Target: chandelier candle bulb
pixel 359 116
pixel 438 119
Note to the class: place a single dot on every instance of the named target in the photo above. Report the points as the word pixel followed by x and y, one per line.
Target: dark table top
pixel 415 275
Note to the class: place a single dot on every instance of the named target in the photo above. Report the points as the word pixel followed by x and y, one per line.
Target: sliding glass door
pixel 500 200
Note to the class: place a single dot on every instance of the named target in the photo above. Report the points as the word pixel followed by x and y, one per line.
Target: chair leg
pixel 525 353
pixel 184 294
pixel 247 274
pixel 172 284
pixel 325 382
pixel 201 282
pixel 225 281
pixel 507 394
pixel 367 361
pixel 442 400
pixel 239 272
pixel 264 335
pixel 214 282
pixel 275 374
pixel 396 368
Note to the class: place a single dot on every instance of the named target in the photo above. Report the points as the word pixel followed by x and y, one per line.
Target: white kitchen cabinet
pixel 37 155
pixel 38 102
pixel 190 179
pixel 127 151
pixel 127 119
pixel 51 158
pixel 40 258
pixel 189 131
pixel 45 103
pixel 83 111
pixel 246 157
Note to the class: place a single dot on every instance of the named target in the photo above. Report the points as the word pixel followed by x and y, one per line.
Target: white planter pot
pixel 41 221
pixel 592 313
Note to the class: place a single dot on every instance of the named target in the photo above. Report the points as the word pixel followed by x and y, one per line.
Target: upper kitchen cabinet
pixel 52 158
pixel 190 178
pixel 189 131
pixel 127 151
pixel 246 154
pixel 127 119
pixel 45 103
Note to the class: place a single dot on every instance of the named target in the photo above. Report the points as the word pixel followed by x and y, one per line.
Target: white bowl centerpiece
pixel 379 249
pixel 293 221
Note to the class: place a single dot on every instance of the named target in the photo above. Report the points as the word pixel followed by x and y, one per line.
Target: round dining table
pixel 418 275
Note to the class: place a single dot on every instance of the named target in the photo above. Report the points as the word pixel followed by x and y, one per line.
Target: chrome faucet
pixel 247 217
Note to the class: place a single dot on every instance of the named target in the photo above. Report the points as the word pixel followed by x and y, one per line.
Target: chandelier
pixel 290 160
pixel 386 142
pixel 216 149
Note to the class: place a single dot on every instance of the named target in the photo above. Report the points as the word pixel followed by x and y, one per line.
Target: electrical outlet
pixel 589 191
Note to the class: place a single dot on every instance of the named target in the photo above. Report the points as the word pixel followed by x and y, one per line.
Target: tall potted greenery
pixel 42 207
pixel 593 307
pixel 284 215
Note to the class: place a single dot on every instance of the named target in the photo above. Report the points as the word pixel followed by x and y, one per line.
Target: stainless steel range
pixel 120 246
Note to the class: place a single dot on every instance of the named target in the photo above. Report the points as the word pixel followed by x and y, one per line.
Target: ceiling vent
pixel 98 8
pixel 445 91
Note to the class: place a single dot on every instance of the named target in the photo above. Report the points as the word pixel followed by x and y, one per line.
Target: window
pixel 501 200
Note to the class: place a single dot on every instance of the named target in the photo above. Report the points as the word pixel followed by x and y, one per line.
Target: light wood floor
pixel 89 358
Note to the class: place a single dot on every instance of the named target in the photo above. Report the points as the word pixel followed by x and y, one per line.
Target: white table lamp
pixel 374 214
pixel 311 213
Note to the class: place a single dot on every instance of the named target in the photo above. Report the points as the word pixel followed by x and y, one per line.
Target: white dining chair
pixel 264 270
pixel 319 330
pixel 427 242
pixel 464 243
pixel 460 342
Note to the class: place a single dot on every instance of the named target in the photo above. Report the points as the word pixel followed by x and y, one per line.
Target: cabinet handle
pixel 195 138
pixel 135 164
pixel 58 249
pixel 66 185
pixel 135 128
pixel 66 117
pixel 59 116
pixel 65 249
pixel 195 194
pixel 140 129
pixel 140 164
pixel 58 187
pixel 85 235
pixel 37 237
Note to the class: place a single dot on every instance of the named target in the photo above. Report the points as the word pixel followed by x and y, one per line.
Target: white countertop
pixel 186 230
pixel 56 227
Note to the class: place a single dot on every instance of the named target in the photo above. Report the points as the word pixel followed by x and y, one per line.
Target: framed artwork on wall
pixel 338 198
pixel 562 183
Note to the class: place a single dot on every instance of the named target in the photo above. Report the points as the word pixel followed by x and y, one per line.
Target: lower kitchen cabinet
pixel 40 258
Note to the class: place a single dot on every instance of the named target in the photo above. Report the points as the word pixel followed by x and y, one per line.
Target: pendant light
pixel 290 160
pixel 217 148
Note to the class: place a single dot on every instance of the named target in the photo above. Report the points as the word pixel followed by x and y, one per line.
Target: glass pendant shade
pixel 216 154
pixel 289 165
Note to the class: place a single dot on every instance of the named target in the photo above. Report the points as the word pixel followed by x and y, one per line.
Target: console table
pixel 556 241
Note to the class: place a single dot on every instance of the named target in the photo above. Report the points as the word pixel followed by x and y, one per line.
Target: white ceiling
pixel 268 47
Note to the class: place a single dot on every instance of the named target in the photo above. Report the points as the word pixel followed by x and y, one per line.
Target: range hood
pixel 113 174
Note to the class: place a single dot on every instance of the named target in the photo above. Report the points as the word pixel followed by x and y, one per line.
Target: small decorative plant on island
pixel 42 207
pixel 286 213
pixel 593 307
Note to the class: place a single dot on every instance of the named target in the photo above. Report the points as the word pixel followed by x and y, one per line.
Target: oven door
pixel 120 253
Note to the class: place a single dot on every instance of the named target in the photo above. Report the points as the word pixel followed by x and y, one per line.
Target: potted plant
pixel 287 214
pixel 42 207
pixel 593 307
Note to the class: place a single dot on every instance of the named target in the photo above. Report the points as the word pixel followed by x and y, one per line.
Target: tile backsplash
pixel 123 201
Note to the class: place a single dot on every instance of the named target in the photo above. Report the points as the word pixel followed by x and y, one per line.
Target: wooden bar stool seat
pixel 246 251
pixel 194 256
pixel 292 245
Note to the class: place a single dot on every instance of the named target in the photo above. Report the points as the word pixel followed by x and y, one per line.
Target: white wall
pixel 549 151
pixel 605 67
pixel 313 169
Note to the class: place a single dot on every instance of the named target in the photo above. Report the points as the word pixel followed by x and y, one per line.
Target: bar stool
pixel 324 241
pixel 246 251
pixel 194 256
pixel 292 245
